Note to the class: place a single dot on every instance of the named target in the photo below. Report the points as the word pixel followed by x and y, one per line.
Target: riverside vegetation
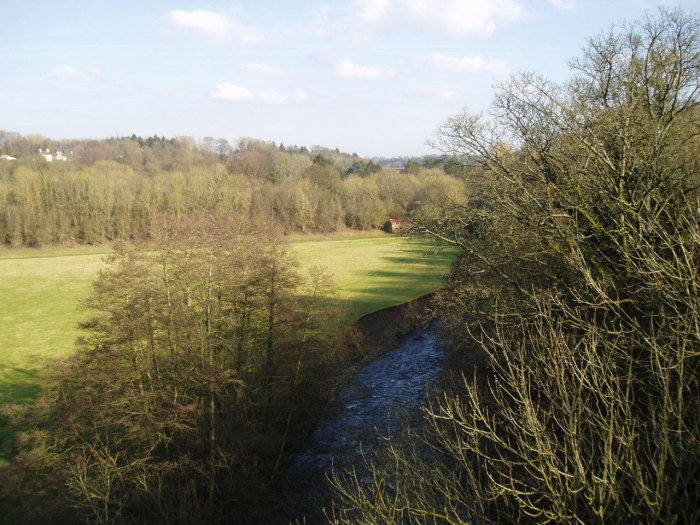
pixel 42 291
pixel 574 304
pixel 240 361
pixel 576 297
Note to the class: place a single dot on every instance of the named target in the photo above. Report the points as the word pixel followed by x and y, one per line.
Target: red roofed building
pixel 395 225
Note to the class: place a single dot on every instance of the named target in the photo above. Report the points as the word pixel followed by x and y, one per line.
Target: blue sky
pixel 369 76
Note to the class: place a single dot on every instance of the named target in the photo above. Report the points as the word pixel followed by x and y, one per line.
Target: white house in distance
pixel 48 157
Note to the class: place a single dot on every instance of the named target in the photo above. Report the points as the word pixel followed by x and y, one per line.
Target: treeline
pixel 114 189
pixel 574 304
pixel 208 359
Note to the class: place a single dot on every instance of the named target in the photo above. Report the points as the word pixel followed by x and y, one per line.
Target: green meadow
pixel 378 272
pixel 41 293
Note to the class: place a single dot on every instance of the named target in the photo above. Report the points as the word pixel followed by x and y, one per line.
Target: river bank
pixel 397 360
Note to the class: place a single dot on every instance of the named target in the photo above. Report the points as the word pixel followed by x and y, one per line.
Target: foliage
pixel 362 168
pixel 577 295
pixel 207 360
pixel 113 189
pixel 43 290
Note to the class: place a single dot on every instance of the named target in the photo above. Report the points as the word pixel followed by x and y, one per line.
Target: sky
pixel 373 77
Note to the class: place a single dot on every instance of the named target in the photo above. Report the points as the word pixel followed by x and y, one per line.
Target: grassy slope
pixel 41 290
pixel 375 273
pixel 39 309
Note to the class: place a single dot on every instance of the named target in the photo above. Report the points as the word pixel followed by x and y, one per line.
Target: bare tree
pixel 579 284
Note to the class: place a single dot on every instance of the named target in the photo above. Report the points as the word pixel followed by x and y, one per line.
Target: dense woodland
pixel 113 189
pixel 573 310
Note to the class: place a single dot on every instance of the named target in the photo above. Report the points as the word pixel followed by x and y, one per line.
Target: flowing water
pixel 371 407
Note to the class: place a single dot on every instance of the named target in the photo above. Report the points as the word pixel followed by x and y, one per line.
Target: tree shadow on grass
pixel 373 298
pixel 18 385
pixel 406 278
pixel 442 258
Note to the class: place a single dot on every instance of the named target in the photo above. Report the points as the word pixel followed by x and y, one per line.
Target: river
pixel 371 407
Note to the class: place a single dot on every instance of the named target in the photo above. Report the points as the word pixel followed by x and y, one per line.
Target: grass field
pixel 375 273
pixel 41 292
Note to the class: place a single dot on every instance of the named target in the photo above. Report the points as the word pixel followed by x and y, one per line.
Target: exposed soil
pixel 382 331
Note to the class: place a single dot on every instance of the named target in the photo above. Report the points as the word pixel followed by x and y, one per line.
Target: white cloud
pixel 265 70
pixel 213 25
pixel 270 96
pixel 373 11
pixel 234 93
pixel 455 18
pixel 228 91
pixel 444 93
pixel 473 64
pixel 346 69
pixel 200 21
pixel 565 5
pixel 72 73
pixel 322 24
pixel 66 72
